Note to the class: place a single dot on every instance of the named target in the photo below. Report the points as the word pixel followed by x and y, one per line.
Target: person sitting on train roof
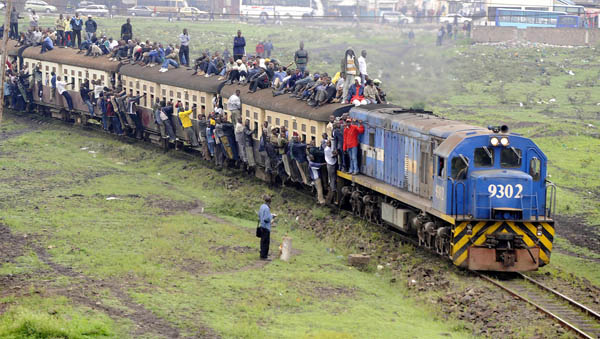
pixel 216 66
pixel 157 55
pixel 259 81
pixel 279 75
pixel 356 93
pixel 380 91
pixel 47 44
pixel 170 59
pixel 324 93
pixel 201 64
pixel 371 93
pixel 303 83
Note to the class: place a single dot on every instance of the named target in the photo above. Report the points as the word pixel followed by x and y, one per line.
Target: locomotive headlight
pixel 539 231
pixel 494 141
pixel 469 229
pixel 504 141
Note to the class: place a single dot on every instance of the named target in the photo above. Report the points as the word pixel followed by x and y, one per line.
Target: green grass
pixel 37 317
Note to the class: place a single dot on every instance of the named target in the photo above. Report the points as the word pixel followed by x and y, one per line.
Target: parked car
pixel 39 6
pixel 460 19
pixel 192 12
pixel 84 4
pixel 142 11
pixel 93 10
pixel 396 18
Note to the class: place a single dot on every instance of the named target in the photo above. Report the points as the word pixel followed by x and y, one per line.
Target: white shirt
pixel 60 86
pixel 339 84
pixel 113 44
pixel 97 91
pixel 362 65
pixel 330 159
pixel 234 103
pixel 184 39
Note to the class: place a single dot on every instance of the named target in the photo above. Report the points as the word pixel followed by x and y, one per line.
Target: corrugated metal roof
pixel 284 104
pixel 69 56
pixel 178 77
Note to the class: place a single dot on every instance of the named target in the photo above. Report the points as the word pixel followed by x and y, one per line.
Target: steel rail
pixel 564 322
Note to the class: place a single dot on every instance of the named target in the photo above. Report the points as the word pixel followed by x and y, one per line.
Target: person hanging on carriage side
pixel 202 126
pixel 249 145
pixel 219 150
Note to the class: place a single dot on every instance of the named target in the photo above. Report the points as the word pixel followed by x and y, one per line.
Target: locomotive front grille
pixel 469 239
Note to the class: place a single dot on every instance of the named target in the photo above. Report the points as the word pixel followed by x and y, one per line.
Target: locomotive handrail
pixel 549 212
pixel 454 196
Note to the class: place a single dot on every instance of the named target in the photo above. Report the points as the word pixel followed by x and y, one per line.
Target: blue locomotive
pixel 478 195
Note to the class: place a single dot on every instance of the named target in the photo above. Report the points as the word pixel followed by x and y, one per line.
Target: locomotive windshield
pixel 510 157
pixel 459 167
pixel 483 157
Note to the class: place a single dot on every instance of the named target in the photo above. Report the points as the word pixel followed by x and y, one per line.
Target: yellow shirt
pixel 336 77
pixel 185 118
pixel 67 25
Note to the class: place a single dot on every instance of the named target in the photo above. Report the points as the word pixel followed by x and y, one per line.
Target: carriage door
pixel 425 170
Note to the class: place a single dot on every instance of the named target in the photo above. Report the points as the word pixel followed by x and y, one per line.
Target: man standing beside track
pixel 264 221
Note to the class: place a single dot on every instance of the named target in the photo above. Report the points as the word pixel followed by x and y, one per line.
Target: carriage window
pixel 295 125
pixel 269 119
pixel 372 139
pixel 202 99
pixel 178 95
pixel 510 157
pixel 285 123
pixel 459 167
pixel 441 165
pixel 255 116
pixel 484 157
pixel 534 169
pixel 256 129
pixel 277 121
pixel 313 130
pixel 171 94
pixel 304 129
pixel 247 113
pixel 144 88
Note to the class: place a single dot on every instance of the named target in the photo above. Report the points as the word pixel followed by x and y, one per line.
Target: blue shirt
pixel 280 75
pixel 48 42
pixel 238 45
pixel 265 217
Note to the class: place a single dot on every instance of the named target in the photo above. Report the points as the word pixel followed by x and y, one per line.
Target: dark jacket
pixel 239 43
pixel 91 26
pixel 76 24
pixel 126 29
pixel 85 93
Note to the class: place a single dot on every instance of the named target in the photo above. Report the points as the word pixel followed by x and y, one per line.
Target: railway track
pixel 569 313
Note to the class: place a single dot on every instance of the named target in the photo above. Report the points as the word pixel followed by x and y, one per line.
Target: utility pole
pixel 8 9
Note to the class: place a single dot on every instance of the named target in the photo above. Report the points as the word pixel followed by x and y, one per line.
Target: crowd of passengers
pixel 257 70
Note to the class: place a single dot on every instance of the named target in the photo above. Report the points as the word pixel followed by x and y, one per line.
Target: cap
pixel 376 81
pixel 267 60
pixel 239 61
pixel 348 120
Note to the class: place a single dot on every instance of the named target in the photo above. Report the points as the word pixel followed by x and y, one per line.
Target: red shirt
pixel 110 112
pixel 351 136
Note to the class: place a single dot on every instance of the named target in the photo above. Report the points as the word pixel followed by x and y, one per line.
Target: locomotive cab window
pixel 441 166
pixel 459 167
pixel 483 157
pixel 535 169
pixel 510 157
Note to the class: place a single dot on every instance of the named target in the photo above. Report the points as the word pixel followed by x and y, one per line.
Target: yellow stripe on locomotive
pixel 477 245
